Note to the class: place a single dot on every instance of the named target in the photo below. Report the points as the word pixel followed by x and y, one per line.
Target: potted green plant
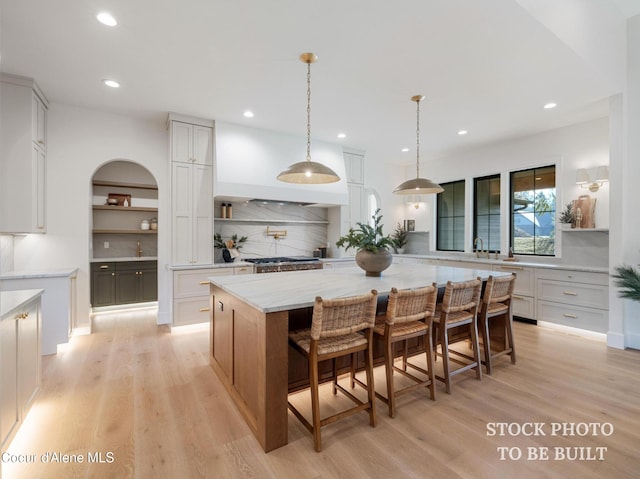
pixel 372 245
pixel 567 215
pixel 627 278
pixel 399 239
pixel 229 247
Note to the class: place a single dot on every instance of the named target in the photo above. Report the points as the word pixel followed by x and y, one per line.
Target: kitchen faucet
pixel 480 252
pixel 138 250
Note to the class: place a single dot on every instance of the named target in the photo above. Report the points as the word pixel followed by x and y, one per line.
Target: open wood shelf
pixel 120 231
pixel 115 184
pixel 125 208
pixel 254 220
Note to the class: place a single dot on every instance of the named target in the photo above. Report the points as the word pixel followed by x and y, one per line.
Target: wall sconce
pixel 584 179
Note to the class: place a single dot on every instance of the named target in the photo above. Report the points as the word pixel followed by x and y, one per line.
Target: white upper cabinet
pixel 23 154
pixel 191 143
pixel 354 165
pixel 191 191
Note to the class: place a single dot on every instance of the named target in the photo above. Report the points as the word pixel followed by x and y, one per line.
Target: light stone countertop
pixel 52 273
pixel 124 258
pixel 208 266
pixel 271 292
pixel 10 301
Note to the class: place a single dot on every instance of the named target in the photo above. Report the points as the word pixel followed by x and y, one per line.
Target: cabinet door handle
pixel 570 293
pixel 204 310
pixel 221 304
pixel 517 268
pixel 204 282
pixel 22 315
pixel 113 274
pixel 567 315
pixel 41 142
pixel 104 266
pixel 515 296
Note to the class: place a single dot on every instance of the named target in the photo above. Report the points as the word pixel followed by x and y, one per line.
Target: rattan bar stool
pixel 339 327
pixel 459 308
pixel 496 303
pixel 409 315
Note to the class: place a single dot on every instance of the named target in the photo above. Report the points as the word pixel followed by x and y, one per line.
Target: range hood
pixel 247 161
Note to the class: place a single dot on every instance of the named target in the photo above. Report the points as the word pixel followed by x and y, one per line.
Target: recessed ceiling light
pixel 111 83
pixel 106 19
pixel 248 114
pixel 462 132
pixel 549 106
pixel 342 135
pixel 404 150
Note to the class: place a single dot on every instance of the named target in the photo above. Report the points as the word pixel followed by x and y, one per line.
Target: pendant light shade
pixel 308 172
pixel 417 185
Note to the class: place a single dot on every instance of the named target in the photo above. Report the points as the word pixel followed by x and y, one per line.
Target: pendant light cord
pixel 418 139
pixel 309 111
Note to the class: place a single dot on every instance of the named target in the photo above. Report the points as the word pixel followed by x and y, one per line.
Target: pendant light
pixel 308 172
pixel 418 186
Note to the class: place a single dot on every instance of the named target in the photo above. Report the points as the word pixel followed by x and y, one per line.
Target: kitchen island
pixel 250 323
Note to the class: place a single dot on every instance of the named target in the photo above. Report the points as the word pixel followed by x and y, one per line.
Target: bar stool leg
pixel 432 377
pixel 388 357
pixel 476 348
pixel 315 402
pixel 444 345
pixel 484 324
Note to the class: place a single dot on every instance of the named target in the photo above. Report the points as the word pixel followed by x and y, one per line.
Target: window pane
pixel 450 217
pixel 533 205
pixel 487 212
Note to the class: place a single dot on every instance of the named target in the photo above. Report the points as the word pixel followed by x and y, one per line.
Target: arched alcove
pixel 124 240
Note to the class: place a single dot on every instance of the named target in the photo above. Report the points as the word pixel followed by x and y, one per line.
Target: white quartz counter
pixel 208 266
pixel 124 258
pixel 52 273
pixel 11 301
pixel 271 292
pixel 518 262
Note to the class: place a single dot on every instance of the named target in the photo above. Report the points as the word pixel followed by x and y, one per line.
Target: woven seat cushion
pixel 401 329
pixel 497 308
pixel 334 344
pixel 456 317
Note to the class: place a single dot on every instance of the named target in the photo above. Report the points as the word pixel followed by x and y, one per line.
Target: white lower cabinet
pixel 524 294
pixel 191 292
pixel 19 366
pixel 574 298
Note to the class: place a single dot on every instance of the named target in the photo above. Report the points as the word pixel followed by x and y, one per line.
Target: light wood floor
pixel 149 397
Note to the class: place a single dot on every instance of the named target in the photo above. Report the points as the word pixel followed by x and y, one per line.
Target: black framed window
pixel 450 217
pixel 533 211
pixel 486 212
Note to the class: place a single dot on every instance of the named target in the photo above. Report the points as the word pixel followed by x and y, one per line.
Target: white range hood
pixel 247 161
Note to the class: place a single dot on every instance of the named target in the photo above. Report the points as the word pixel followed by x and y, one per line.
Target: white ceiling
pixel 485 66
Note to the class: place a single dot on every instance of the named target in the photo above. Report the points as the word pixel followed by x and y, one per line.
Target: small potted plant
pixel 372 245
pixel 229 247
pixel 627 278
pixel 399 239
pixel 567 216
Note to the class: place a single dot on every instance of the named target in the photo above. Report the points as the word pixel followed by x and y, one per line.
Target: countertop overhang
pixel 12 301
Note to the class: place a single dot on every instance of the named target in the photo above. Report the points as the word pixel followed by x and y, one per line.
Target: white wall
pixel 80 141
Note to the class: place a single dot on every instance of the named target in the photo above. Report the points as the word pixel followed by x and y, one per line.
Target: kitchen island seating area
pixel 252 317
pixel 339 327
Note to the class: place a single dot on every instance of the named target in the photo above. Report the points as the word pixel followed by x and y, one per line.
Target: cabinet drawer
pixel 523 306
pixel 106 266
pixel 574 276
pixel 574 316
pixel 243 270
pixel 190 311
pixel 525 278
pixel 194 282
pixel 578 294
